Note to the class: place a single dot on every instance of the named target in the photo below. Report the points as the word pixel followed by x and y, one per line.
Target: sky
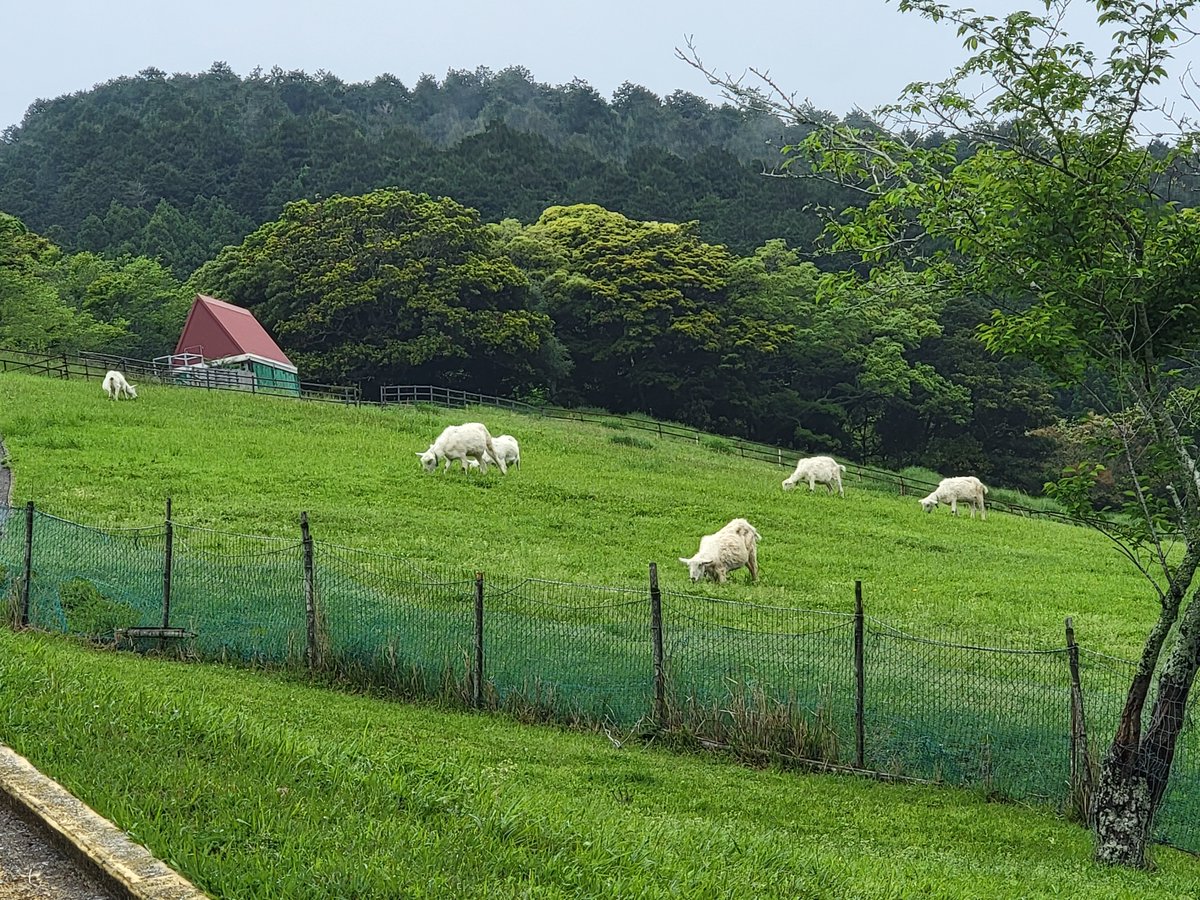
pixel 838 54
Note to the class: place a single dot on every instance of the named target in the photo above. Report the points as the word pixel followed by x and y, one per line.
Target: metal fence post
pixel 656 639
pixel 168 557
pixel 310 600
pixel 477 669
pixel 860 740
pixel 25 583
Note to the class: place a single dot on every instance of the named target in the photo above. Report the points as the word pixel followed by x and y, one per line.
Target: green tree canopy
pixel 33 316
pixel 642 308
pixel 388 286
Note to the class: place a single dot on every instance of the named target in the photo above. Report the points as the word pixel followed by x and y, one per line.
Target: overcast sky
pixel 837 53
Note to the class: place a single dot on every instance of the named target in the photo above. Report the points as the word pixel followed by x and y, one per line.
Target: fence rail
pixel 838 689
pixel 409 394
pixel 95 365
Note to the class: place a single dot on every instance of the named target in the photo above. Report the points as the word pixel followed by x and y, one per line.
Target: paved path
pixel 31 868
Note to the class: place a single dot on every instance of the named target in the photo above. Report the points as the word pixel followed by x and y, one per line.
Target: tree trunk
pixel 1124 812
pixel 1135 774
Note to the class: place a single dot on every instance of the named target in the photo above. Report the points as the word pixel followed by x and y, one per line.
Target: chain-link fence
pixel 834 688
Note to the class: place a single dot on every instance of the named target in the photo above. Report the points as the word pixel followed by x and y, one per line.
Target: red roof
pixel 218 330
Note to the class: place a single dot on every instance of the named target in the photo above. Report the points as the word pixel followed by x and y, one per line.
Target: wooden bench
pixel 142 633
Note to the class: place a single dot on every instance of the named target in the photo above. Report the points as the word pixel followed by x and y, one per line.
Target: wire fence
pixel 835 689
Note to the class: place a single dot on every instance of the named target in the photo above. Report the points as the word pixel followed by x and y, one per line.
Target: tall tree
pixel 643 310
pixel 388 286
pixel 33 316
pixel 1057 217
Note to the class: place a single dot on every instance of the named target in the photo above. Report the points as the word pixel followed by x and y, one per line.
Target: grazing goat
pixel 115 386
pixel 968 488
pixel 471 441
pixel 817 470
pixel 507 449
pixel 732 547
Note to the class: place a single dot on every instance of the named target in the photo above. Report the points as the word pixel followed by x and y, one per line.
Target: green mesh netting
pixel 394 621
pixel 242 596
pixel 1106 681
pixel 753 676
pixel 967 714
pixel 771 677
pixel 569 650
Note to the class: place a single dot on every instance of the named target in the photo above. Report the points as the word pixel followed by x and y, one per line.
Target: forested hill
pixel 176 167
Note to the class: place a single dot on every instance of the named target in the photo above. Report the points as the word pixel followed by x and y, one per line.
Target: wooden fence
pixel 440 396
pixel 95 365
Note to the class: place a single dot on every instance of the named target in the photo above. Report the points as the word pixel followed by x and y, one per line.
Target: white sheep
pixel 505 445
pixel 463 443
pixel 507 449
pixel 967 488
pixel 115 386
pixel 732 547
pixel 817 470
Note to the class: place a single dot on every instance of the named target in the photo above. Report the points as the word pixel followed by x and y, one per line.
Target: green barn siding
pixel 272 380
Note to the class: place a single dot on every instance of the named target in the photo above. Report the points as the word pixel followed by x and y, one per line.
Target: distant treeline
pixel 176 167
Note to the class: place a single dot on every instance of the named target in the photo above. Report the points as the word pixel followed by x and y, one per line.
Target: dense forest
pixel 176 167
pixel 492 233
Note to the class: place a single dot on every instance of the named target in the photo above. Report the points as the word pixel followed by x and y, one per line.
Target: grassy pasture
pixel 589 506
pixel 256 786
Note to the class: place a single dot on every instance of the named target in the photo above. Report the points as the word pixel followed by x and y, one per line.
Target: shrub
pixel 91 613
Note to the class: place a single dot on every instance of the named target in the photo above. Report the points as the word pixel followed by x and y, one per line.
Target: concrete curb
pixel 125 868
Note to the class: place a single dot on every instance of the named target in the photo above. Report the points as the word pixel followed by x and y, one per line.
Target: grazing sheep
pixel 506 446
pixel 817 470
pixel 462 443
pixel 115 386
pixel 968 488
pixel 507 449
pixel 732 547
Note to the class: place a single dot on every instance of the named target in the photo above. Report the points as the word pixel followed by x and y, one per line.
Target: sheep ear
pixel 419 454
pixel 684 560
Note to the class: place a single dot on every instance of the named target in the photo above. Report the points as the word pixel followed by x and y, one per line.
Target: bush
pixel 91 613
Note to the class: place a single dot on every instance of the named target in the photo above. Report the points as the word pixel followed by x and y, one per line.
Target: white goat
pixel 462 443
pixel 507 449
pixel 505 445
pixel 967 488
pixel 817 470
pixel 115 386
pixel 732 547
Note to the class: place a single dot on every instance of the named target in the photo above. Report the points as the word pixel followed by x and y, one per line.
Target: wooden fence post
pixel 168 556
pixel 310 600
pixel 656 639
pixel 860 741
pixel 1081 770
pixel 477 669
pixel 25 583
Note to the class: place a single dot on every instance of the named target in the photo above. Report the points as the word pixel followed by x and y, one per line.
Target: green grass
pixel 591 504
pixel 257 786
pixel 587 505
